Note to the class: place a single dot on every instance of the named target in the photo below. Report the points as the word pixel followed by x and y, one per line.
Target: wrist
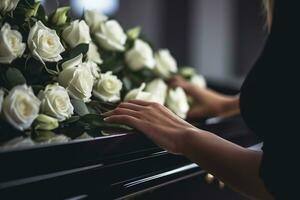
pixel 229 106
pixel 185 146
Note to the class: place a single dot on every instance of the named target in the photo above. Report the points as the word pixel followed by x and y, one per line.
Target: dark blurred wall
pixel 251 34
pixel 164 22
pixel 212 38
pixel 221 38
pixel 226 38
pixel 147 14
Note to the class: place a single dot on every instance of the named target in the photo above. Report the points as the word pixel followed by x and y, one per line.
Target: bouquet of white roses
pixel 57 75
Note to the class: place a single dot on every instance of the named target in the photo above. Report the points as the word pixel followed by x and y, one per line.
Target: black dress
pixel 269 102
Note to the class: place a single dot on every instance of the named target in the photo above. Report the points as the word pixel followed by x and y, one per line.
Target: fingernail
pixel 105 119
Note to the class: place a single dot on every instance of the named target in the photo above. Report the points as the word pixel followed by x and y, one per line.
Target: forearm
pixel 236 166
pixel 230 105
pixel 220 104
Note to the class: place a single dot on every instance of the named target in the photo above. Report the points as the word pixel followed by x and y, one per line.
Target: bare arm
pixel 234 165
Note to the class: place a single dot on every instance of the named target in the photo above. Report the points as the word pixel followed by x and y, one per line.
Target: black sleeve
pixel 270 102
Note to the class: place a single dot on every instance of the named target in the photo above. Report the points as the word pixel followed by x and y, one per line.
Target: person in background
pixel 267 102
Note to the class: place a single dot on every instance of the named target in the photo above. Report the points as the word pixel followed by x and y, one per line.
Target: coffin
pixel 111 167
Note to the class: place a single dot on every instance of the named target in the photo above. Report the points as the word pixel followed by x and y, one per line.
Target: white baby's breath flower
pixel 108 88
pixel 140 56
pixel 77 33
pixel 55 102
pixel 44 43
pixel 11 45
pixel 21 107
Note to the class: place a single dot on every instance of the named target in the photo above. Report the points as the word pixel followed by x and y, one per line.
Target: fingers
pixel 175 82
pixel 123 119
pixel 140 102
pixel 131 106
pixel 197 112
pixel 122 111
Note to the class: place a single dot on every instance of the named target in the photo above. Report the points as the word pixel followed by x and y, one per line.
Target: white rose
pixel 198 80
pixel 21 107
pixel 76 61
pixel 138 94
pixel 77 78
pixel 1 99
pixel 8 5
pixel 108 88
pixel 93 54
pixel 94 69
pixel 44 43
pixel 140 56
pixel 177 102
pixel 94 19
pixel 158 89
pixel 111 36
pixel 77 33
pixel 55 102
pixel 11 45
pixel 165 63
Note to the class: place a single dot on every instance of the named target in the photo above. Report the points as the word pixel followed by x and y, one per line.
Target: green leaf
pixel 96 121
pixel 134 33
pixel 80 107
pixel 100 107
pixel 71 120
pixel 92 110
pixel 79 49
pixel 37 89
pixel 127 83
pixel 14 77
pixel 36 11
pixel 29 3
pixel 35 72
pixel 112 61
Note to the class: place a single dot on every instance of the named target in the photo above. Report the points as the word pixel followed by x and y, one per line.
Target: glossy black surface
pixel 108 167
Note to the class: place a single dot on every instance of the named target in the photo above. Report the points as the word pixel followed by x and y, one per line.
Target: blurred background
pixel 220 38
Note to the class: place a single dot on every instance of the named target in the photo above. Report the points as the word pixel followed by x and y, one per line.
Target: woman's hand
pixel 207 103
pixel 156 121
